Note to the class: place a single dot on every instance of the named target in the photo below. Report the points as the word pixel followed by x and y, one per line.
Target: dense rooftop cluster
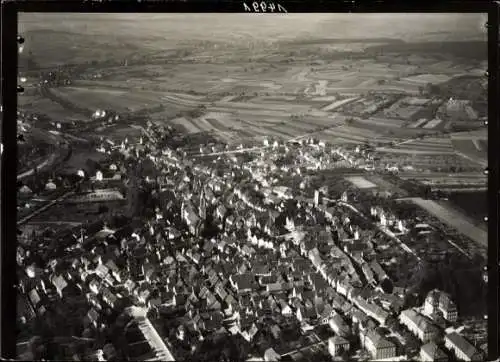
pixel 224 261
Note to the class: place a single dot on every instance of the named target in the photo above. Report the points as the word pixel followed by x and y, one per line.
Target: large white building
pixel 376 345
pixel 418 325
pixel 339 326
pixel 50 186
pixel 430 352
pixel 372 310
pixel 25 190
pixel 338 345
pixel 463 350
pixel 439 301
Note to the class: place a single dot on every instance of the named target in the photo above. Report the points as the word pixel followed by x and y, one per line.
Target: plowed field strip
pixel 188 125
pixel 217 125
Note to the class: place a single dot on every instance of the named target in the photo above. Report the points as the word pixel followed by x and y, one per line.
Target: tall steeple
pixel 82 237
pixel 203 204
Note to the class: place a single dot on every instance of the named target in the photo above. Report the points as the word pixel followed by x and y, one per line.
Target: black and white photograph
pixel 252 187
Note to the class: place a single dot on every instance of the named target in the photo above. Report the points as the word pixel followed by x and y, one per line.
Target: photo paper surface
pixel 236 187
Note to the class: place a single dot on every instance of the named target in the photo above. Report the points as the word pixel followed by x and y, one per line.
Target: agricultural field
pixel 339 103
pixel 424 79
pixel 478 148
pixel 433 123
pixel 41 105
pixel 108 98
pixel 119 132
pixel 186 125
pixel 473 145
pixel 438 145
pixel 361 182
pixel 470 147
pixel 350 134
pixel 368 105
pixel 242 85
pixel 403 109
pixel 424 161
pixel 418 123
pixel 249 105
pixel 382 122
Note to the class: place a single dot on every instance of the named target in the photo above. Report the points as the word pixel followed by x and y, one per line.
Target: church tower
pixel 203 205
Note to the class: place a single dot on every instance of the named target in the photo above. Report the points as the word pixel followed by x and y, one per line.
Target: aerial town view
pixel 222 187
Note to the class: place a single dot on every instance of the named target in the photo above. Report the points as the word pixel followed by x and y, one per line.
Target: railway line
pixel 45 207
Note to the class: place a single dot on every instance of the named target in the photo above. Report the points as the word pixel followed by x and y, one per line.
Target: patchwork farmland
pixel 287 103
